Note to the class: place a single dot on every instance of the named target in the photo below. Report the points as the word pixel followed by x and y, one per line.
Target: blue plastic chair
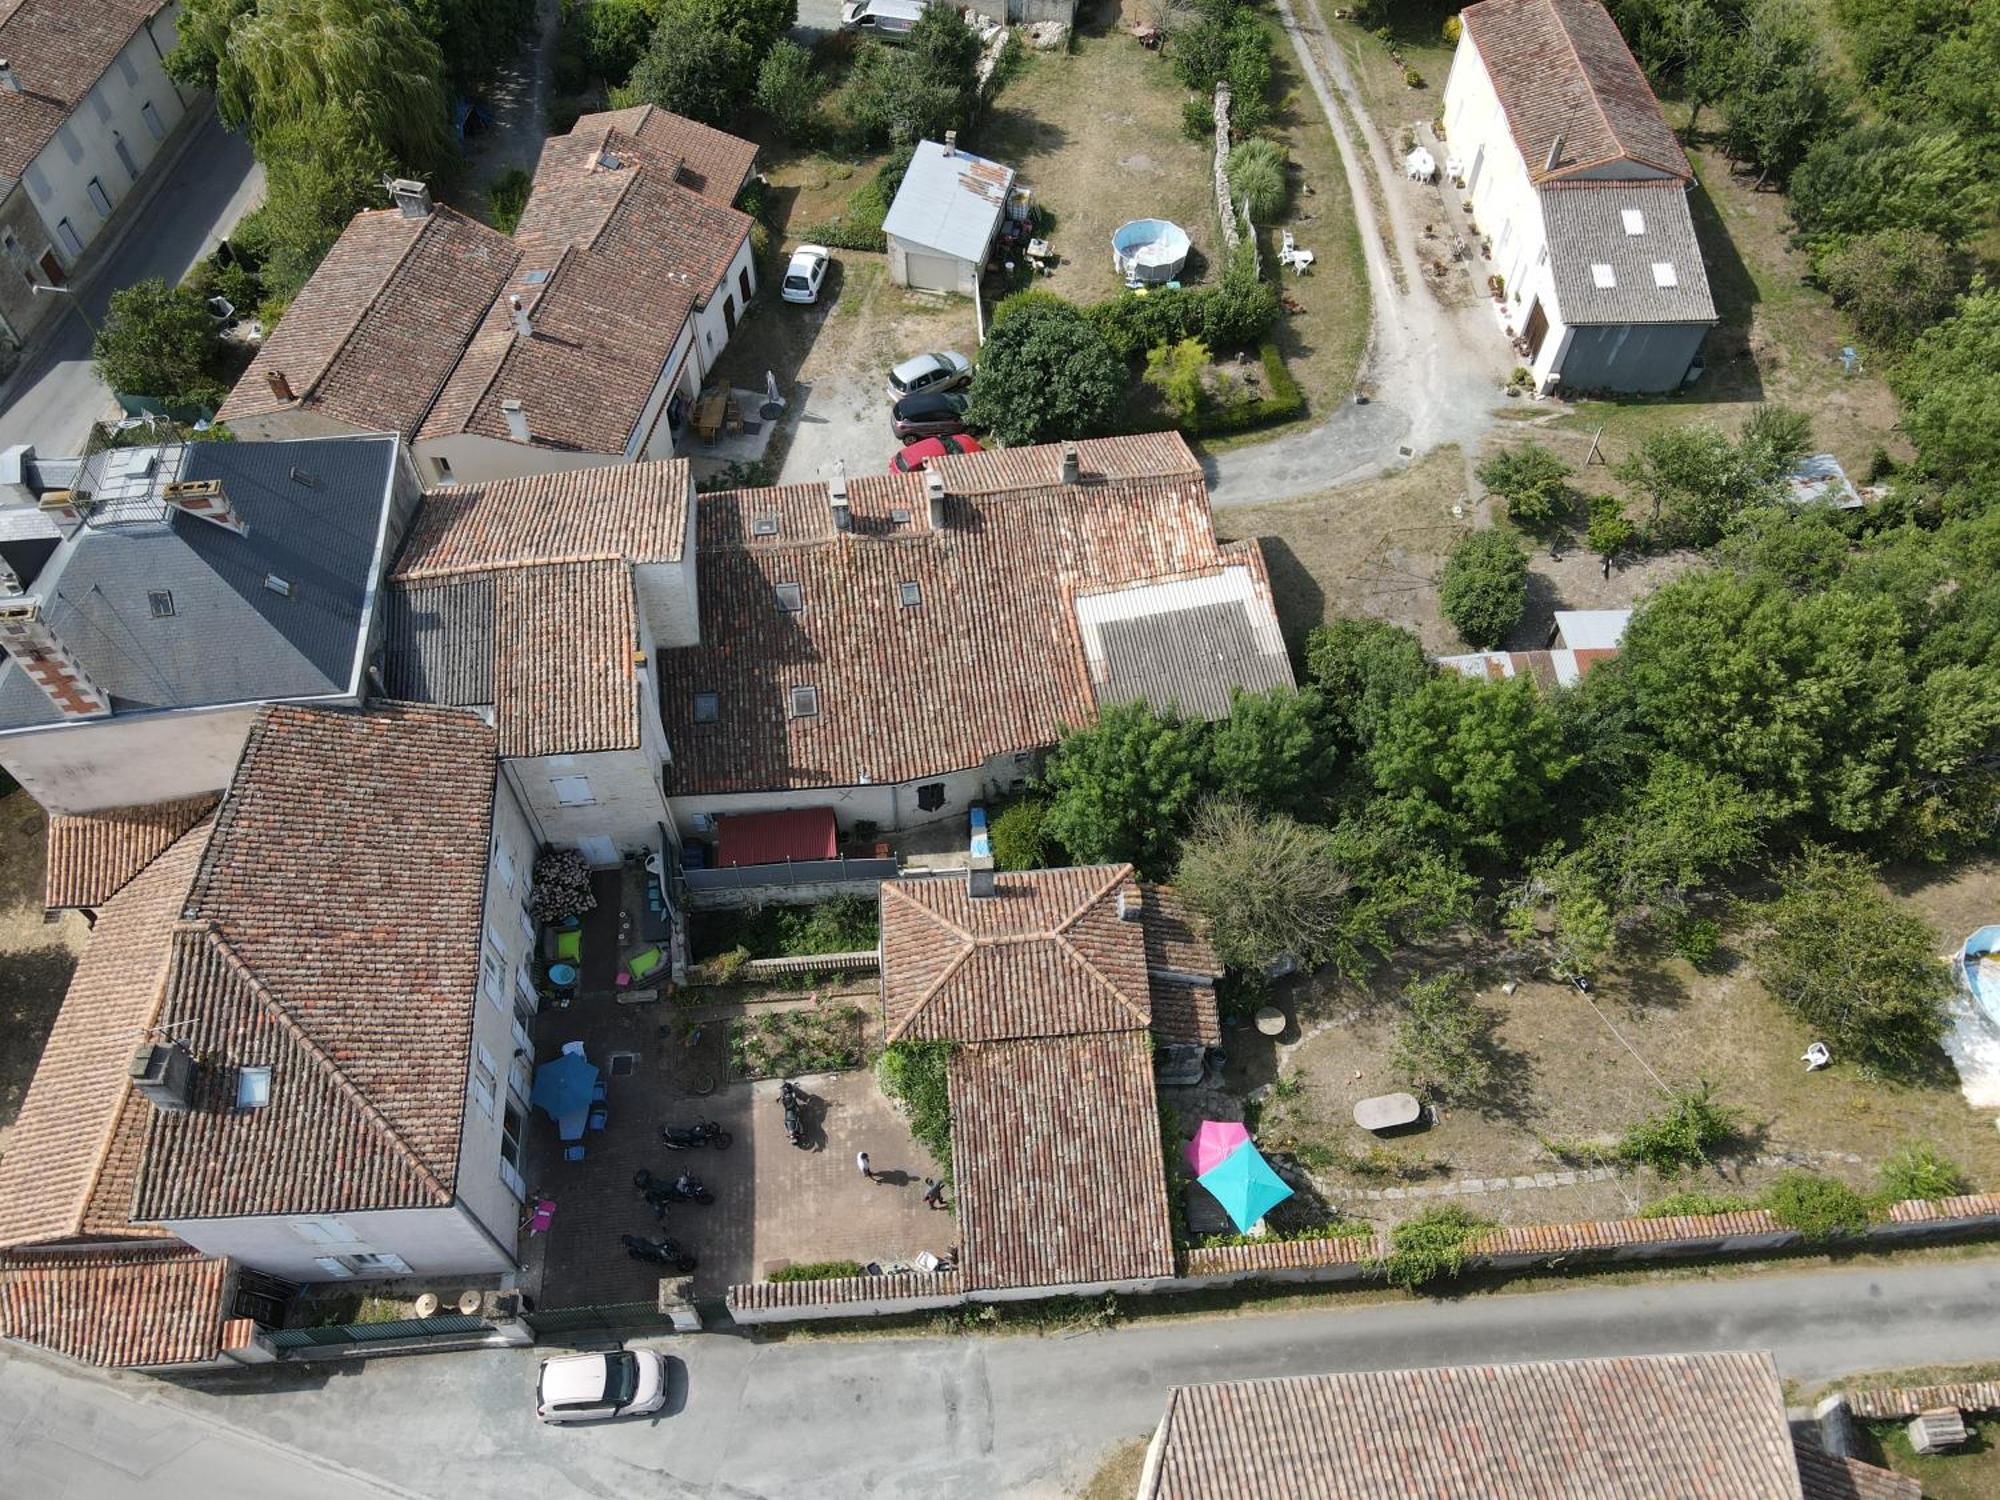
pixel 600 1093
pixel 599 1118
pixel 572 1153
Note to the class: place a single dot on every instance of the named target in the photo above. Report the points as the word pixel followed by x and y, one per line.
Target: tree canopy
pixel 1484 588
pixel 1363 669
pixel 1046 373
pixel 1123 787
pixel 159 341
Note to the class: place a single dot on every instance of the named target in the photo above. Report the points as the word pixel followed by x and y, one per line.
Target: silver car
pixel 944 371
pixel 599 1387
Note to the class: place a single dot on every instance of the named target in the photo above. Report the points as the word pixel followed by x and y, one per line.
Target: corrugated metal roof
pixel 1592 629
pixel 1586 228
pixel 950 202
pixel 1189 658
pixel 770 838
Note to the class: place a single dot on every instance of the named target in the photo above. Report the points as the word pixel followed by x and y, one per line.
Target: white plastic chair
pixel 573 1049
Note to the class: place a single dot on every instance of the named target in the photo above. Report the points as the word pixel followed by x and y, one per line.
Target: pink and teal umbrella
pixel 1214 1143
pixel 1246 1187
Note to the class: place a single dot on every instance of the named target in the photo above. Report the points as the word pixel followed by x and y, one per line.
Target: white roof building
pixel 942 225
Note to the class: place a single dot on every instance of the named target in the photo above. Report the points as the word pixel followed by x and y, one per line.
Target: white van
pixel 891 20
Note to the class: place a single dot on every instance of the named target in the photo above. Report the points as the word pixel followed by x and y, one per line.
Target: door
pixel 125 156
pixel 598 851
pixel 933 273
pixel 52 269
pixel 1537 330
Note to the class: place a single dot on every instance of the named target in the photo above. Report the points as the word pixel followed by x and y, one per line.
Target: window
pixel 899 515
pixel 1542 256
pixel 443 467
pixel 911 595
pixel 69 143
pixel 485 1079
pixel 66 232
pixel 805 702
pixel 151 116
pixel 38 183
pixel 743 282
pixel 253 1088
pixel 571 791
pixel 511 1127
pixel 1664 276
pixel 527 988
pixel 1603 277
pixel 503 861
pixel 324 1232
pixel 162 602
pixel 492 970
pixel 930 796
pixel 125 158
pixel 535 278
pixel 791 597
pixel 130 73
pixel 377 1264
pixel 707 707
pixel 765 523
pixel 332 1267
pixel 95 189
pixel 527 924
pixel 282 587
pixel 1635 220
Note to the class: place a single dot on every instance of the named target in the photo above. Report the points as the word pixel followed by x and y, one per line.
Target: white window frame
pixel 503 861
pixel 493 965
pixel 377 1260
pixel 527 924
pixel 572 791
pixel 485 1079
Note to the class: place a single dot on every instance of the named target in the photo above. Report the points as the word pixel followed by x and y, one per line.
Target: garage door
pixel 933 273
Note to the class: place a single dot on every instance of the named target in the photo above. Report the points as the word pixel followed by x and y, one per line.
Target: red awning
pixel 771 838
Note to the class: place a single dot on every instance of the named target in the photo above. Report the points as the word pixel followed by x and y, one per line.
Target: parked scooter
pixel 685 1188
pixel 793 1098
pixel 658 1252
pixel 692 1137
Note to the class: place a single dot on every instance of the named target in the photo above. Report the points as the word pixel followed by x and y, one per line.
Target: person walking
pixel 933 1193
pixel 867 1169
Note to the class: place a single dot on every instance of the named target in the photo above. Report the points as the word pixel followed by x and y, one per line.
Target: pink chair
pixel 543 1216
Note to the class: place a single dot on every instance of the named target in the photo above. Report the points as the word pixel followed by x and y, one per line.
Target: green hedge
pixel 819 1270
pixel 1284 401
pixel 1233 315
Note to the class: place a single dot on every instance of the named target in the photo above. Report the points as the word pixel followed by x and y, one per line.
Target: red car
pixel 913 458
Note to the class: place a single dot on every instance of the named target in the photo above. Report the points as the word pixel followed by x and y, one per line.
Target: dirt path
pixel 1432 372
pixel 518 96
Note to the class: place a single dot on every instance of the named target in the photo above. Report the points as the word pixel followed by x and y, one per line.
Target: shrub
pixel 1441 1040
pixel 1233 315
pixel 1609 532
pixel 1282 400
pixel 788 87
pixel 1044 374
pixel 1020 835
pixel 1484 588
pixel 1696 940
pixel 1894 284
pixel 159 341
pixel 507 198
pixel 917 1076
pixel 1259 172
pixel 819 1270
pixel 845 924
pixel 1681 1135
pixel 1412 78
pixel 1918 1169
pixel 1450 30
pixel 1696 1205
pixel 1820 1208
pixel 1535 485
pixel 1198 119
pixel 1179 373
pixel 1430 1247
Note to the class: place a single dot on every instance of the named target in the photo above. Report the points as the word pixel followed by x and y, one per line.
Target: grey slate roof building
pixel 1625 254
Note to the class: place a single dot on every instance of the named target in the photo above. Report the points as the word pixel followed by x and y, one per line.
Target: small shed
pixel 776 838
pixel 946 214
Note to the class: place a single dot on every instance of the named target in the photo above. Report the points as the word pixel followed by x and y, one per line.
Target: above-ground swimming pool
pixel 1149 252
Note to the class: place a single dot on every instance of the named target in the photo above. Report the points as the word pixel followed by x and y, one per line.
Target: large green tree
pixel 1274 751
pixel 316 178
pixel 1484 588
pixel 1783 92
pixel 1123 787
pixel 1363 669
pixel 1951 402
pixel 917 91
pixel 159 341
pixel 697 65
pixel 1046 373
pixel 1894 284
pixel 1884 175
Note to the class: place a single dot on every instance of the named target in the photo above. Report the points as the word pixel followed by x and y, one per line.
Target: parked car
pixel 806 272
pixel 890 20
pixel 930 372
pixel 913 458
pixel 599 1387
pixel 929 414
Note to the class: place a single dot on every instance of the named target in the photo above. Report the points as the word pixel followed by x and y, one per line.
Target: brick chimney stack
pixel 30 641
pixel 280 384
pixel 207 499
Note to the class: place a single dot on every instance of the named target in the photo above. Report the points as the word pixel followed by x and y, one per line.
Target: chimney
pixel 523 324
pixel 412 199
pixel 1131 906
pixel 843 515
pixel 10 581
pixel 31 642
pixel 7 79
pixel 951 143
pixel 934 489
pixel 65 508
pixel 1555 153
pixel 164 1073
pixel 281 385
pixel 1071 468
pixel 979 877
pixel 205 498
pixel 517 417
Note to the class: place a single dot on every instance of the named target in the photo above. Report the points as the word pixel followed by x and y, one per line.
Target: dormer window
pixel 791 597
pixel 911 594
pixel 253 1087
pixel 765 523
pixel 805 702
pixel 899 515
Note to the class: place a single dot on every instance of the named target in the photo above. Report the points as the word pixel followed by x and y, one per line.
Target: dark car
pixel 921 452
pixel 929 414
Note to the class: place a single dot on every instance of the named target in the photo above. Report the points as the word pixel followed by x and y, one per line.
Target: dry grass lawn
pixel 1117 1478
pixel 36 958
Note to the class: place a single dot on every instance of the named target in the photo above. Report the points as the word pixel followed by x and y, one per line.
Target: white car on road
pixel 598 1387
pixel 804 275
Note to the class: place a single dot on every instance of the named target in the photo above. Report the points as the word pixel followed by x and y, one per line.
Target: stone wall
pixel 1903 1402
pixel 1235 227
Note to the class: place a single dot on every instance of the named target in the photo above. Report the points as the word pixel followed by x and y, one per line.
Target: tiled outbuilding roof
pixel 1056 1156
pixel 1047 954
pixel 1177 939
pixel 372 336
pixel 1823 1477
pixel 1561 68
pixel 927 649
pixel 117 1308
pixel 332 934
pixel 564 676
pixel 637 512
pixel 712 162
pixel 93 856
pixel 1185 1014
pixel 57 49
pixel 1687 1426
pixel 69 1165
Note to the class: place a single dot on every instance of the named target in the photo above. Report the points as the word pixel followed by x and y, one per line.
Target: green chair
pixel 569 946
pixel 644 962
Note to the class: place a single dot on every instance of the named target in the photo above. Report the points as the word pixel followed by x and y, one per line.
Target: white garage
pixel 946 214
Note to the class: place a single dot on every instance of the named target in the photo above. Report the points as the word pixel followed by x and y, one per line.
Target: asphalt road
pixel 1002 1416
pixel 55 396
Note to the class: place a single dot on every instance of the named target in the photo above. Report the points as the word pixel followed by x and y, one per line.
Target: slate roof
pixel 93 856
pixel 119 1309
pixel 1586 229
pixel 317 512
pixel 70 1162
pixel 711 162
pixel 1056 1161
pixel 57 49
pixel 950 202
pixel 1046 955
pixel 989 660
pixel 372 336
pixel 1655 1427
pixel 1561 67
pixel 331 934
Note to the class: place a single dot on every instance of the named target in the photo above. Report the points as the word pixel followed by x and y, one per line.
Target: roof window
pixel 1664 275
pixel 1603 276
pixel 764 523
pixel 805 702
pixel 253 1088
pixel 162 602
pixel 1635 220
pixel 282 587
pixel 535 278
pixel 911 594
pixel 707 707
pixel 791 597
pixel 899 515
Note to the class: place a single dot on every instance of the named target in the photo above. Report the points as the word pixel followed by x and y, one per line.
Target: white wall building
pixel 946 214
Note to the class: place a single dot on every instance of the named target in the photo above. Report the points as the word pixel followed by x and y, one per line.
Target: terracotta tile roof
pixel 1898 1402
pixel 758 1295
pixel 372 336
pixel 1262 1257
pixel 1056 1154
pixel 986 660
pixel 637 512
pixel 1176 938
pixel 1970 1206
pixel 712 162
pixel 1561 67
pixel 1692 1426
pixel 92 856
pixel 57 49
pixel 565 640
pixel 333 935
pixel 67 1169
pixel 1823 1477
pixel 1185 1014
pixel 1115 460
pixel 624 255
pixel 1046 955
pixel 117 1308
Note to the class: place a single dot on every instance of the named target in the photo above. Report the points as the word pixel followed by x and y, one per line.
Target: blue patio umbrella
pixel 562 1088
pixel 1246 1187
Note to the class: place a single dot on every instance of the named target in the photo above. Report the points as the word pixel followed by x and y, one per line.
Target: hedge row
pixel 1283 401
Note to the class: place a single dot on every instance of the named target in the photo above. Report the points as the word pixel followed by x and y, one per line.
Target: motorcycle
pixel 658 1252
pixel 793 1098
pixel 685 1188
pixel 692 1137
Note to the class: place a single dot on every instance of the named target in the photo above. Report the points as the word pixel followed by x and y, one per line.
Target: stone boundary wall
pixel 843 1297
pixel 1898 1403
pixel 1234 227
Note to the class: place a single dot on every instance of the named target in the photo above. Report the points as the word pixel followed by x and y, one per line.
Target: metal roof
pixel 950 202
pixel 1590 246
pixel 1187 658
pixel 1592 629
pixel 438 641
